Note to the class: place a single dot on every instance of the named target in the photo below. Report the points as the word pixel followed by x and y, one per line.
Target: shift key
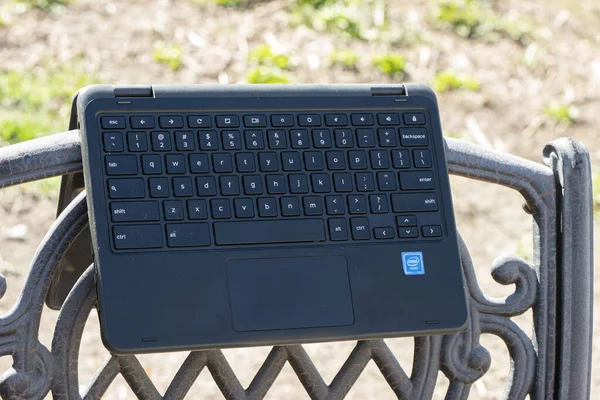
pixel 414 202
pixel 137 236
pixel 128 211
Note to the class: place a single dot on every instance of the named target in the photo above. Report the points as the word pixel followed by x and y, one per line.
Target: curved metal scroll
pixel 548 366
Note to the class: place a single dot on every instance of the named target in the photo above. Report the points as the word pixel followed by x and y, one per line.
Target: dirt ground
pixel 114 41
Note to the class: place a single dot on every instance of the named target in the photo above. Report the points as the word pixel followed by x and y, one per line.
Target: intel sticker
pixel 412 262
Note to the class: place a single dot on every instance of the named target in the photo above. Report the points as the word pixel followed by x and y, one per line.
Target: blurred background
pixel 510 75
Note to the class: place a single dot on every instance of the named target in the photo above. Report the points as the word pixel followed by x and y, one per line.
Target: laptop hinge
pixel 398 90
pixel 134 91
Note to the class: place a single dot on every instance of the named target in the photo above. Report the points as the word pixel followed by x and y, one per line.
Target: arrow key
pixel 142 122
pixel 431 230
pixel 384 233
pixel 408 232
pixel 170 121
pixel 406 220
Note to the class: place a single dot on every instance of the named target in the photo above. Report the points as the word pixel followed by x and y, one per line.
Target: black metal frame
pixel 557 287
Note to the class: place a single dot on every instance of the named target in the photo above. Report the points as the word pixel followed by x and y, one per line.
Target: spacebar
pixel 274 231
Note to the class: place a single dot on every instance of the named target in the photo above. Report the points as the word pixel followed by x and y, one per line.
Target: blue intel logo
pixel 413 264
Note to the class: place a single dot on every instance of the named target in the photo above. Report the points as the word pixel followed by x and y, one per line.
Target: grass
pixel 231 3
pixel 563 113
pixel 38 101
pixel 445 81
pixel 345 58
pixel 170 55
pixel 262 74
pixel 596 190
pixel 45 5
pixel 391 64
pixel 265 56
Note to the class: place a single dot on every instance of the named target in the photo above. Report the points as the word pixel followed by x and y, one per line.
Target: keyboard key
pixel 335 160
pixel 379 204
pixel 267 206
pixel 387 137
pixel 365 182
pixel 222 162
pixel 183 187
pixel 277 139
pixel 388 119
pixel 133 211
pixel 309 120
pixel 142 122
pixel 417 180
pixel 336 119
pixel 335 205
pixel 245 162
pixel 253 184
pixel 408 232
pixel 362 119
pixel 422 158
pixel 173 210
pixel 321 138
pixel 281 120
pixel 312 205
pixel 232 140
pixel 342 182
pixel 197 209
pixel 290 161
pixel 357 204
pixel 413 137
pixel 379 159
pixel 298 183
pixel 338 229
pixel 275 184
pixel 170 121
pixel 384 233
pixel 220 208
pixel 275 231
pixel 365 137
pixel 360 228
pixel 414 202
pixel 159 187
pixel 199 164
pixel 127 188
pixel 184 141
pixel 161 141
pixel 208 140
pixel 255 121
pixel 321 183
pixel 244 208
pixel 137 141
pixel 313 161
pixel 175 163
pixel 268 161
pixel 414 118
pixel 431 230
pixel 227 121
pixel 113 122
pixel 358 159
pixel 206 186
pixel 121 165
pixel 113 141
pixel 188 235
pixel 199 121
pixel 290 206
pixel 343 138
pixel 299 138
pixel 400 159
pixel 254 139
pixel 406 220
pixel 386 181
pixel 137 236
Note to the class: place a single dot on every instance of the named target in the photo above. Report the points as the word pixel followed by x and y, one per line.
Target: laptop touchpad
pixel 287 293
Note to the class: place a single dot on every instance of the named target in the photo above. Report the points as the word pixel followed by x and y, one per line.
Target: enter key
pixel 417 180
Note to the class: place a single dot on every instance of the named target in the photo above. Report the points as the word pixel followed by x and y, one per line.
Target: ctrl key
pixel 137 236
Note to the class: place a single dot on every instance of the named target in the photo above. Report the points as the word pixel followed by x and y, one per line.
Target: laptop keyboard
pixel 214 180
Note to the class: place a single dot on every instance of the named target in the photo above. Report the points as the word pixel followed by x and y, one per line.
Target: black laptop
pixel 237 215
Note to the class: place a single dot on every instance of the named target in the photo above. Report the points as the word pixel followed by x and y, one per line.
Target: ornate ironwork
pixel 557 287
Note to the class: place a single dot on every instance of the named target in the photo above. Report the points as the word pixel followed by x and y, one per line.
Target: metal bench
pixel 557 288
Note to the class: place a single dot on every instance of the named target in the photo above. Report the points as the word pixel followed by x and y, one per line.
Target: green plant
pixel 596 190
pixel 231 3
pixel 444 81
pixel 345 58
pixel 393 65
pixel 262 74
pixel 563 113
pixel 45 5
pixel 265 56
pixel 171 55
